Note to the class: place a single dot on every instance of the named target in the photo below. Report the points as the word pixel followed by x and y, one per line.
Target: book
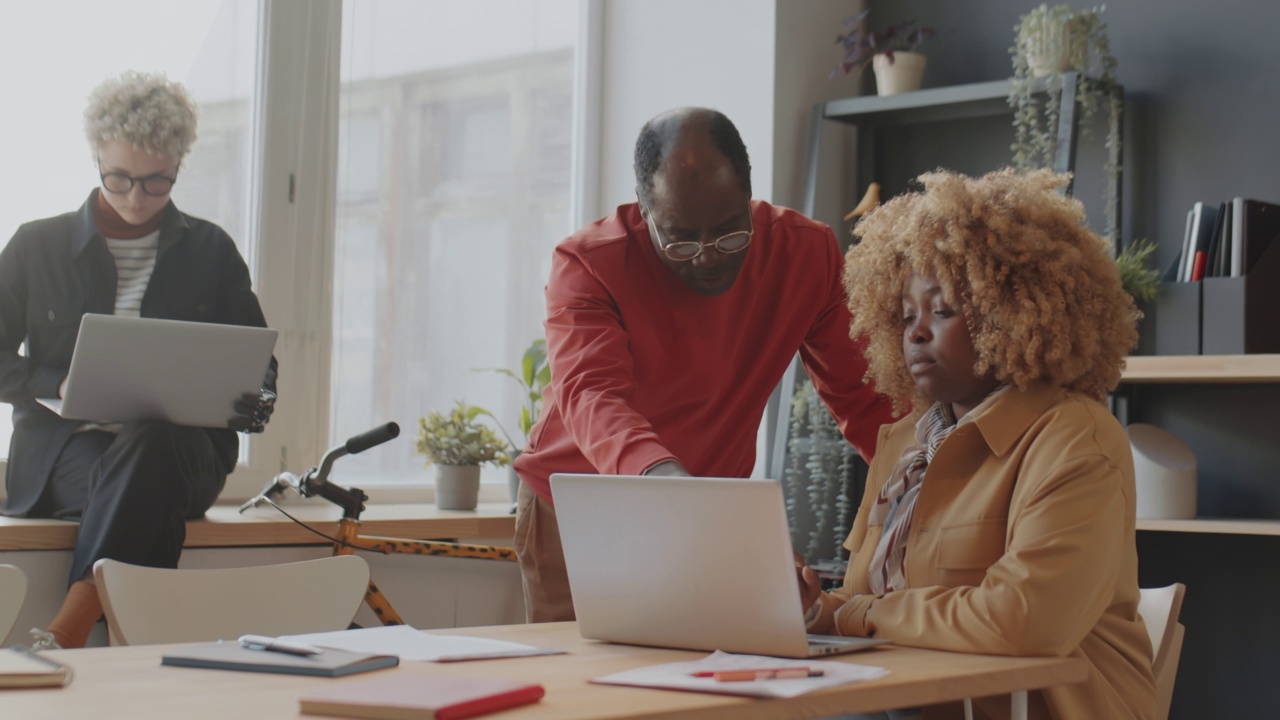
pixel 1188 249
pixel 1222 266
pixel 425 697
pixel 231 656
pixel 22 667
pixel 1202 237
pixel 1215 238
pixel 1255 225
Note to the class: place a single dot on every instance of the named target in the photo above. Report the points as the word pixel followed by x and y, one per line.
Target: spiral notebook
pixel 22 667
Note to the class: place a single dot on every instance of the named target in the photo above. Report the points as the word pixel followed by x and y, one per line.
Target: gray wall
pixel 1202 117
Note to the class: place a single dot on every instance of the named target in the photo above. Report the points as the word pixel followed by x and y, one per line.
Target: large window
pixel 53 52
pixel 406 228
pixel 453 188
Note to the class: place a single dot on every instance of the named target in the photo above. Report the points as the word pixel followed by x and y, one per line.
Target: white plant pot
pixel 513 482
pixel 457 487
pixel 1051 50
pixel 901 75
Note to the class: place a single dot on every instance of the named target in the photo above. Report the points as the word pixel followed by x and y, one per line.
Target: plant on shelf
pixel 891 52
pixel 534 376
pixel 1051 41
pixel 458 444
pixel 1138 278
pixel 460 439
pixel 533 379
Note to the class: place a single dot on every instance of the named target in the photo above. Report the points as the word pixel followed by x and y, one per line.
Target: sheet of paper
pixel 679 675
pixel 412 644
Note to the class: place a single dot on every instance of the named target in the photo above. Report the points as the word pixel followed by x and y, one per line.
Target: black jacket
pixel 54 271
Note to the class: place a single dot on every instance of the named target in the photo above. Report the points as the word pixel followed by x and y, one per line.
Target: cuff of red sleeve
pixel 851 618
pixel 642 456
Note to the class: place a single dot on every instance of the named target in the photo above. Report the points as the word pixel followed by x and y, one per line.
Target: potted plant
pixel 458 444
pixel 1052 41
pixel 533 378
pixel 821 468
pixel 890 52
pixel 1138 278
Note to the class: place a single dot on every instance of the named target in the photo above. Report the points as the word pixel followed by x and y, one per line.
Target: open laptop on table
pixel 127 369
pixel 691 563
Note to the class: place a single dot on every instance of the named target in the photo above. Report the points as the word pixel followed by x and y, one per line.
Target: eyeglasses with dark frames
pixel 733 242
pixel 119 183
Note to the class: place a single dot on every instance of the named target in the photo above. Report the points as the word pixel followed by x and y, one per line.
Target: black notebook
pixel 230 656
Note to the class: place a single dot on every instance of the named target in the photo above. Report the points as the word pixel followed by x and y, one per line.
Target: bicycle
pixel 315 482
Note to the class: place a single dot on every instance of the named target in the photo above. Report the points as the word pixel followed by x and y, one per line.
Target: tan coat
pixel 1022 543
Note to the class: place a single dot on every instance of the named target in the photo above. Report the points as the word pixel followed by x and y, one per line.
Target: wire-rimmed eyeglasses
pixel 685 251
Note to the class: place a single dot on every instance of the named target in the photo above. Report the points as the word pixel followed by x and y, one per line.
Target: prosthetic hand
pixel 253 412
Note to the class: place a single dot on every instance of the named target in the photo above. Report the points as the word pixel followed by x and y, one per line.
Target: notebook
pixel 126 369
pixel 25 668
pixel 691 563
pixel 231 656
pixel 410 697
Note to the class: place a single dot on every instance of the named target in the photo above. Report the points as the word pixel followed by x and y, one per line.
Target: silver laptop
pixel 126 369
pixel 692 563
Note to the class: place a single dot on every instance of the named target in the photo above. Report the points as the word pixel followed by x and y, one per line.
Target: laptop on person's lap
pixel 128 369
pixel 691 563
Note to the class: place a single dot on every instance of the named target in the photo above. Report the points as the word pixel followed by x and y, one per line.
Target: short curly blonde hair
pixel 146 110
pixel 1040 290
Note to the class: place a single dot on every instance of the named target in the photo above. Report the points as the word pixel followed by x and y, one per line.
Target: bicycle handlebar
pixel 371 438
pixel 315 480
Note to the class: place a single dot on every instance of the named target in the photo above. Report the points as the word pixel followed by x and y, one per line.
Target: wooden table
pixel 129 682
pixel 224 527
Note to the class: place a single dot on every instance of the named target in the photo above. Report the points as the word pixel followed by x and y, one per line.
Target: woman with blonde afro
pixel 999 514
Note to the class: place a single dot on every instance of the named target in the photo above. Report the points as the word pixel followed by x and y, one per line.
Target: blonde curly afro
pixel 1039 289
pixel 145 110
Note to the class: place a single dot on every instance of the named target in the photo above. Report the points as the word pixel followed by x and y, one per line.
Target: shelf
pixel 955 102
pixel 1212 525
pixel 1202 369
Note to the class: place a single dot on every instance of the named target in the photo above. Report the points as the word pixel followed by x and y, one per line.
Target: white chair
pixel 13 591
pixel 1159 608
pixel 146 606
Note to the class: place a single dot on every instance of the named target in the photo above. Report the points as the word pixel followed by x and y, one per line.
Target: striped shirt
pixel 135 261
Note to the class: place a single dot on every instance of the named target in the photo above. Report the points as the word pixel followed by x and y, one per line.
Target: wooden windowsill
pixel 224 527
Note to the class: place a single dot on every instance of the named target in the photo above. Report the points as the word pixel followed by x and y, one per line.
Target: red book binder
pixel 412 697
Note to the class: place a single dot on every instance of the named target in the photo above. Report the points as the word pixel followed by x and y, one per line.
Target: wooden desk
pixel 224 527
pixel 129 682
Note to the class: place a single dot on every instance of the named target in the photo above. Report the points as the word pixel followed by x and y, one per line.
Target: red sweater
pixel 644 369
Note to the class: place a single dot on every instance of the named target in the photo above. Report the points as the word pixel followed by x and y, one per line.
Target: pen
pixel 782 673
pixel 264 642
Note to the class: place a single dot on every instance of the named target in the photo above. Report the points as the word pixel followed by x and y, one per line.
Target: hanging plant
pixel 1051 41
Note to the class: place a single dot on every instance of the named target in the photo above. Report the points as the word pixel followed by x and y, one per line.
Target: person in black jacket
pixel 127 251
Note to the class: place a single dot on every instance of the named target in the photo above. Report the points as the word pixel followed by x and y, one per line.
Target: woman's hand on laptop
pixel 253 412
pixel 810 585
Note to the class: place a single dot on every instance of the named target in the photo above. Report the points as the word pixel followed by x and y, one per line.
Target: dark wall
pixel 1202 122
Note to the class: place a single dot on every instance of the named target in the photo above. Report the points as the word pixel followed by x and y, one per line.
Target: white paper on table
pixel 411 644
pixel 679 675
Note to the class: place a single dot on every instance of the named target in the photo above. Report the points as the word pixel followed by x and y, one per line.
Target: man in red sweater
pixel 669 324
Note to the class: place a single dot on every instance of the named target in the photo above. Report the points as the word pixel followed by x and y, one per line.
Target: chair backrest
pixel 146 606
pixel 13 591
pixel 1160 608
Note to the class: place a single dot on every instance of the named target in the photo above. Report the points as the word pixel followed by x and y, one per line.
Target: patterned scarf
pixel 897 501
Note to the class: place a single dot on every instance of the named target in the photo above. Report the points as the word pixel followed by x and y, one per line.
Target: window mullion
pixel 295 186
